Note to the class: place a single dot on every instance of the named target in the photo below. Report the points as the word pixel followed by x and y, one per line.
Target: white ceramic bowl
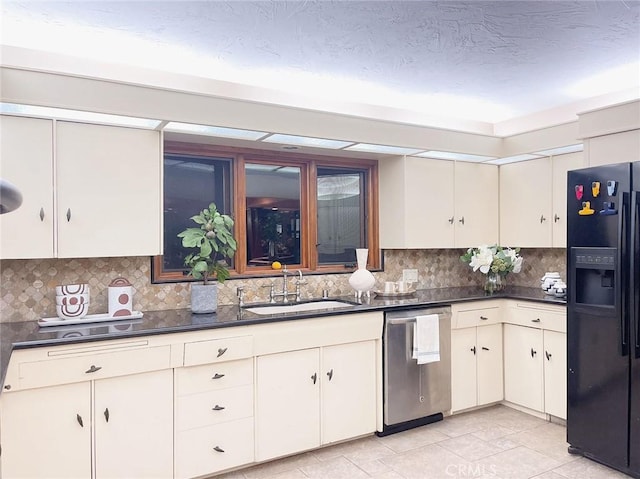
pixel 72 299
pixel 80 288
pixel 76 311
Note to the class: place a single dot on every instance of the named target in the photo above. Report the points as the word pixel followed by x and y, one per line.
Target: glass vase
pixel 494 283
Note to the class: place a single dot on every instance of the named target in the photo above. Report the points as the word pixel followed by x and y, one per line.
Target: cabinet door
pixel 523 375
pixel 108 191
pixel 287 403
pixel 463 369
pixel 555 374
pixel 525 203
pixel 476 204
pixel 561 164
pixel 134 430
pixel 348 391
pixel 46 432
pixel 26 160
pixel 489 368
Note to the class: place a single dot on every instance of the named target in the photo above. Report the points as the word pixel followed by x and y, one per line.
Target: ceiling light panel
pixel 448 155
pixel 77 115
pixel 306 141
pixel 218 131
pixel 390 150
pixel 561 150
pixel 514 159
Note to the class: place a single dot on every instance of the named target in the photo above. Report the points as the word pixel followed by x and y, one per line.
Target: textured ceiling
pixel 489 60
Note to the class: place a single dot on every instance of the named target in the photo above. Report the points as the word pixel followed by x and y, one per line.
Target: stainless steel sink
pixel 320 305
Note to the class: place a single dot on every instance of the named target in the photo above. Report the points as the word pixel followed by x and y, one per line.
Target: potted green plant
pixel 214 243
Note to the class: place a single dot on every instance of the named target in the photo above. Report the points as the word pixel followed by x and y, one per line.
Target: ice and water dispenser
pixel 594 276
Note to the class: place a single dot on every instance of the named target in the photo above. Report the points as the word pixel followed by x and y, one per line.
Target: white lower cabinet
pixel 126 421
pixel 315 396
pixel 476 366
pixel 555 373
pixel 523 367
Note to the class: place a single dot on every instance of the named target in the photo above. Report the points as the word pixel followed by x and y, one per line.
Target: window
pixel 306 211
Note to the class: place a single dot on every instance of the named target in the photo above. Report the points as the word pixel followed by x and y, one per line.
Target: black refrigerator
pixel 603 333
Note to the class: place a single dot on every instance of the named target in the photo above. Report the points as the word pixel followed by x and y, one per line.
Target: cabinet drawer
pixel 537 318
pixel 209 377
pixel 218 350
pixel 93 366
pixel 214 407
pixel 476 317
pixel 207 450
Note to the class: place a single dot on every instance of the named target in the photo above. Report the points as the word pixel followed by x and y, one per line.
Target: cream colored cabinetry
pixel 560 166
pixel 26 160
pixel 476 357
pixel 105 181
pixel 130 434
pixel 535 357
pixel 314 396
pixel 426 203
pixel 214 407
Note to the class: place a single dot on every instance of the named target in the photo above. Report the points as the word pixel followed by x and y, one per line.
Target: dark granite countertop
pixel 27 334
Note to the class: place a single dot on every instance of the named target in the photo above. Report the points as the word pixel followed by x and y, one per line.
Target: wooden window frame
pixel 308 164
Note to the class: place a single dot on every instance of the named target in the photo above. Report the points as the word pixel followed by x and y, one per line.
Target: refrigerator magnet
pixel 579 192
pixel 586 209
pixel 595 188
pixel 612 187
pixel 608 209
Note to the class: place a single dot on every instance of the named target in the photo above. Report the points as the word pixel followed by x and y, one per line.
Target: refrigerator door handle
pixel 622 260
pixel 634 250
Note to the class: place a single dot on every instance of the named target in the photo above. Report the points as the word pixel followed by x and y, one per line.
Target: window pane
pixel 341 219
pixel 190 185
pixel 273 214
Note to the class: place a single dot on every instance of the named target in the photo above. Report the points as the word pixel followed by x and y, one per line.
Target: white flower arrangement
pixel 493 259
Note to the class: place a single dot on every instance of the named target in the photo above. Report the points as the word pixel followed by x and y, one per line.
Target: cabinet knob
pixel 485 349
pixel 542 219
pixel 217 376
pixel 93 369
pixel 7 386
pixel 461 221
pixel 221 351
pixel 68 214
pixel 41 214
pixel 218 449
pixel 556 218
pixel 548 355
pixel 314 377
pixel 217 408
pixel 450 220
pixel 79 419
pixel 330 374
pixel 537 320
pixel 484 318
pixel 106 414
pixel 473 350
pixel 533 352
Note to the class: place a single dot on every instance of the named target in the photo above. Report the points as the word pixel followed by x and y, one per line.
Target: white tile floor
pixel 496 442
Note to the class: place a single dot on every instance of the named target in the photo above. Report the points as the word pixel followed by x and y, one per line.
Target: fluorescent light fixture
pixel 77 115
pixel 514 159
pixel 448 155
pixel 390 150
pixel 306 141
pixel 214 131
pixel 561 150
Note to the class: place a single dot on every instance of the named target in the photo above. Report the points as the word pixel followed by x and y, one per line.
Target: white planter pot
pixel 204 298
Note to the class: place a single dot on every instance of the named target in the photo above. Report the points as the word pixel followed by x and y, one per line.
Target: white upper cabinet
pixel 105 182
pixel 560 166
pixel 426 203
pixel 26 160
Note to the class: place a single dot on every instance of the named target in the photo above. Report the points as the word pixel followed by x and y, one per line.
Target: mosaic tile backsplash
pixel 27 287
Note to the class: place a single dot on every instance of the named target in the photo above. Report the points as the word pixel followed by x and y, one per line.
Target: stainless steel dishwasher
pixel 414 395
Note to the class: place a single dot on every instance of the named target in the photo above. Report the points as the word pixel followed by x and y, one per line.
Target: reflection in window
pixel 341 221
pixel 273 214
pixel 190 184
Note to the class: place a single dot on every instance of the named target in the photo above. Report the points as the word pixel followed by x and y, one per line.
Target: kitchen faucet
pixel 284 293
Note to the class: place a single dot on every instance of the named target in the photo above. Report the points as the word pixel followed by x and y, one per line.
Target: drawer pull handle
pixel 41 214
pixel 7 386
pixel 548 355
pixel 533 352
pixel 556 218
pixel 461 221
pixel 484 318
pixel 450 220
pixel 485 349
pixel 79 419
pixel 218 408
pixel 106 414
pixel 217 376
pixel 218 449
pixel 314 377
pixel 330 374
pixel 537 320
pixel 221 351
pixel 542 219
pixel 93 369
pixel 473 350
pixel 68 214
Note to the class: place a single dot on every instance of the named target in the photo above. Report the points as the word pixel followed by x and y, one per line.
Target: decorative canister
pixel 120 298
pixel 362 280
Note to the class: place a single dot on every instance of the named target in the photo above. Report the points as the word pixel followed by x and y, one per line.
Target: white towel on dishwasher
pixel 426 339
